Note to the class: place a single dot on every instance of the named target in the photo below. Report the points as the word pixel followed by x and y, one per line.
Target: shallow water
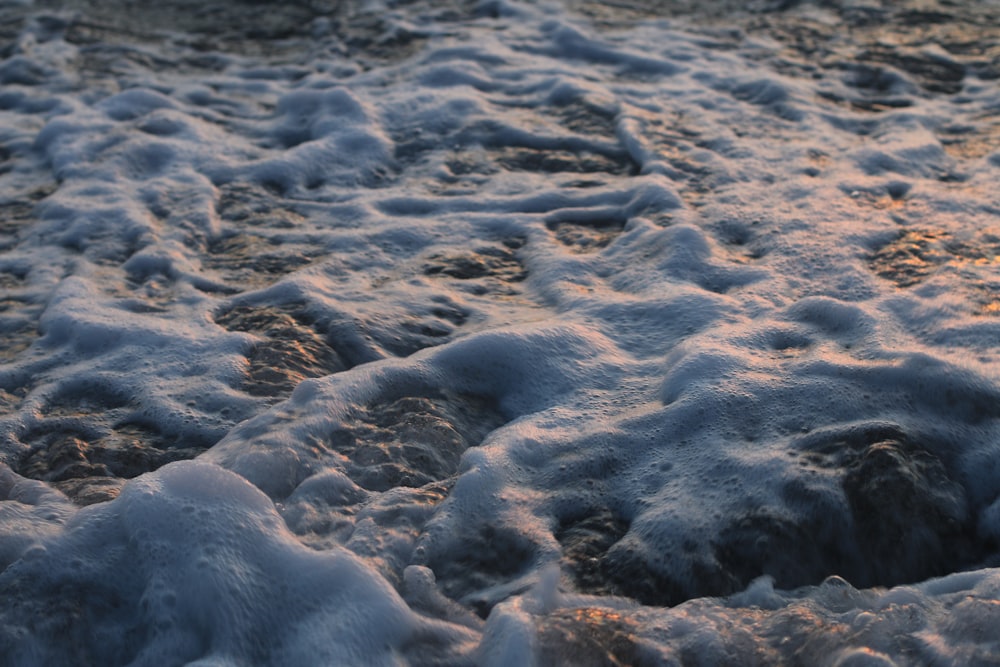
pixel 499 333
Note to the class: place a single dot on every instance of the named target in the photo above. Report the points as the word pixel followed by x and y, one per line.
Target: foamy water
pixel 497 334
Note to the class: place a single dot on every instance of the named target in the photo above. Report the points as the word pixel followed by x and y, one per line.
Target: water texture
pixel 499 333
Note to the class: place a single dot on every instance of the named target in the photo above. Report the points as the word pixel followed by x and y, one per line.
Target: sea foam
pixel 498 335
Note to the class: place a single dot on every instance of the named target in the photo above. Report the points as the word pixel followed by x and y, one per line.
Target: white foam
pixel 193 563
pixel 640 343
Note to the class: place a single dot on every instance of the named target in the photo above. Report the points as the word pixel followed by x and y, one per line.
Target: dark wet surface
pixel 413 441
pixel 290 347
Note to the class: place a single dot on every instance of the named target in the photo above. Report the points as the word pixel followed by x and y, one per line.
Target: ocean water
pixel 499 333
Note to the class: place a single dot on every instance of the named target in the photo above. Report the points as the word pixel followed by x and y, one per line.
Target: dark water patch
pixel 85 491
pixel 553 161
pixel 84 399
pixel 17 328
pixel 494 260
pixel 417 442
pixel 584 239
pixel 13 19
pixel 935 74
pixel 18 212
pixel 463 164
pixel 613 14
pixel 891 35
pixel 792 550
pixel 881 53
pixel 919 17
pixel 676 150
pixel 892 197
pixel 19 71
pixel 18 314
pixel 876 79
pixel 83 613
pixel 413 441
pixel 233 27
pixel 100 63
pixel 491 556
pixel 915 254
pixel 450 312
pixel 910 517
pixel 9 400
pixel 427 328
pixel 630 573
pixel 679 144
pixel 968 142
pixel 872 88
pixel 89 31
pixel 735 231
pixel 909 259
pixel 880 104
pixel 585 119
pixel 254 261
pixel 90 464
pixel 588 637
pixel 253 205
pixel 89 432
pixel 585 542
pixel 787 341
pixel 488 269
pixel 169 204
pixel 423 325
pixel 586 236
pixel 372 38
pixel 292 346
pixel 584 183
pixel 870 103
